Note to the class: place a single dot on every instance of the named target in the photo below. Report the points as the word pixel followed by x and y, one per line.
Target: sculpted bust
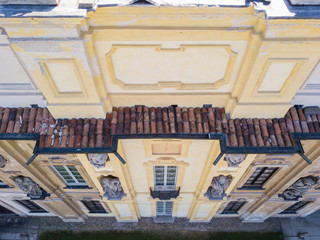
pixel 112 188
pixel 28 186
pixel 234 160
pixel 98 160
pixel 218 186
pixel 300 187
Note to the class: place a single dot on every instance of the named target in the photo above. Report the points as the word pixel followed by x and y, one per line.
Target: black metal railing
pixel 165 194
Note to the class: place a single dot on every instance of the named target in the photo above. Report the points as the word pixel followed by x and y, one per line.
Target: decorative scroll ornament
pixel 234 160
pixel 219 184
pixel 112 188
pixel 2 161
pixel 300 187
pixel 32 189
pixel 98 160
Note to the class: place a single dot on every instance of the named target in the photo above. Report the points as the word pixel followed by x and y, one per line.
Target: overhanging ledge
pixel 221 137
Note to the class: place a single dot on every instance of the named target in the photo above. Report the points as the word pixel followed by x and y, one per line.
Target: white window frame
pixel 165 186
pixel 167 207
pixel 76 182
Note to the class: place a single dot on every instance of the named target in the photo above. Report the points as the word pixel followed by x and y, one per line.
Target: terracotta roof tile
pixel 5 119
pixel 204 113
pixel 120 120
pixel 158 120
pixel 107 131
pixel 178 120
pixel 218 120
pixel 185 120
pixel 11 119
pixel 315 123
pixel 18 120
pixel 78 133
pixel 24 123
pixel 237 124
pixel 233 138
pixel 145 120
pixel 171 120
pixel 126 120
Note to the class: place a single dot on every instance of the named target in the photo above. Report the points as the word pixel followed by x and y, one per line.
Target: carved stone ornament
pixel 98 160
pixel 32 189
pixel 219 184
pixel 112 188
pixel 2 161
pixel 234 160
pixel 300 187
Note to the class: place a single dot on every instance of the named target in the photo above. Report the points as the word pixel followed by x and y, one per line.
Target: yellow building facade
pixel 107 71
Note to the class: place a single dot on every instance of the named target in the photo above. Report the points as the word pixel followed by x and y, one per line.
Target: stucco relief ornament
pixel 32 189
pixel 2 161
pixel 219 184
pixel 112 188
pixel 98 160
pixel 234 160
pixel 300 187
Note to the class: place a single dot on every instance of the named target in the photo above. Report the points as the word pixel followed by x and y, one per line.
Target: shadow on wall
pixel 22 10
pixel 314 218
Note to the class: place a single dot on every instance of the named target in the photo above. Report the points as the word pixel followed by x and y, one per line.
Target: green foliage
pixel 157 235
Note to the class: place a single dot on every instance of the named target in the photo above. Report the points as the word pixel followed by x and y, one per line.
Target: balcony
pixel 165 194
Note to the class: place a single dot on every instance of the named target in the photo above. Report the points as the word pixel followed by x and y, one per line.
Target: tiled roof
pixel 76 133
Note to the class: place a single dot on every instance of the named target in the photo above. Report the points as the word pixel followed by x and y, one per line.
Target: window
pixel 70 175
pixel 3 185
pixel 259 177
pixel 233 207
pixel 165 177
pixel 33 207
pixel 94 206
pixel 164 208
pixel 295 207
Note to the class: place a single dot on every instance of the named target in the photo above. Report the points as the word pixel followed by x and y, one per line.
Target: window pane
pixel 295 207
pixel 165 176
pixel 159 175
pixel 164 208
pixel 94 206
pixel 260 176
pixel 70 175
pixel 233 207
pixel 33 207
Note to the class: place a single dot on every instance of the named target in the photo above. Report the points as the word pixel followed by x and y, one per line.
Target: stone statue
pixel 112 188
pixel 28 186
pixel 2 161
pixel 234 160
pixel 300 187
pixel 98 160
pixel 218 186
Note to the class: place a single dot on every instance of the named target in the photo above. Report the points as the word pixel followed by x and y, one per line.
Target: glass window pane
pixel 70 175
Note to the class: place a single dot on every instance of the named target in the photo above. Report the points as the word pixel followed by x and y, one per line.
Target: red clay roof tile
pixel 144 120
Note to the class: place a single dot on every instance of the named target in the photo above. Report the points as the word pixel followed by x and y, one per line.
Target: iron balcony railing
pixel 165 195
